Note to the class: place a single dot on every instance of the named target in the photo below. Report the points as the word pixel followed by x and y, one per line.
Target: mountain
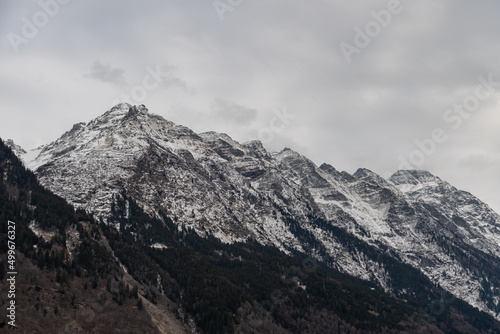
pixel 67 278
pixel 447 234
pixel 18 150
pixel 403 233
pixel 76 275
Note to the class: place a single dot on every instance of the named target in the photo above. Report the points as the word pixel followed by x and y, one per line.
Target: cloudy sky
pixel 376 84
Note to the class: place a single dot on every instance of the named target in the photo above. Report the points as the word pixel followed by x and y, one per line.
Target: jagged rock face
pixel 448 234
pixel 472 221
pixel 207 182
pixel 217 186
pixel 18 150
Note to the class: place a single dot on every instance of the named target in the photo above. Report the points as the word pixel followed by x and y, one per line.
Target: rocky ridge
pixel 239 192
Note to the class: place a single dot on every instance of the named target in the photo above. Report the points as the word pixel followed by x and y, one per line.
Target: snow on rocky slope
pixel 239 191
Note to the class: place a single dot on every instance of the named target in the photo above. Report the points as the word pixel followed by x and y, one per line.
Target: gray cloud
pixel 230 112
pixel 268 54
pixel 172 81
pixel 478 161
pixel 107 73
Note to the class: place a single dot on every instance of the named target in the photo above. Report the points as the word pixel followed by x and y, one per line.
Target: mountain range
pixel 414 236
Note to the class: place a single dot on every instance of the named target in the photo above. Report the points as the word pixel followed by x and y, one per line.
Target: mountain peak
pixel 18 150
pixel 257 146
pixel 115 116
pixel 363 172
pixel 121 107
pixel 413 177
pixel 371 177
pixel 75 129
pixel 137 110
pixel 212 136
pixel 329 169
pixel 287 153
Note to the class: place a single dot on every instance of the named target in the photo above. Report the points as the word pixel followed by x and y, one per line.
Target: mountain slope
pixel 68 280
pixel 359 224
pixel 77 283
pixel 421 228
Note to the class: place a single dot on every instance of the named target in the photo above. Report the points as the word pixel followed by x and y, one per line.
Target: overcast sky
pixel 356 83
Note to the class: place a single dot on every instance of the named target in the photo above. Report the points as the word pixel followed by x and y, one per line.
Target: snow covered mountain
pixel 360 224
pixel 18 150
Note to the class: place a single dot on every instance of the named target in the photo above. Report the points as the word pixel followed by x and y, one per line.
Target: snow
pixel 159 246
pixel 199 180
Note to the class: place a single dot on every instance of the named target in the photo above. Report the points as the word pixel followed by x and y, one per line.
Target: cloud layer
pixel 231 75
